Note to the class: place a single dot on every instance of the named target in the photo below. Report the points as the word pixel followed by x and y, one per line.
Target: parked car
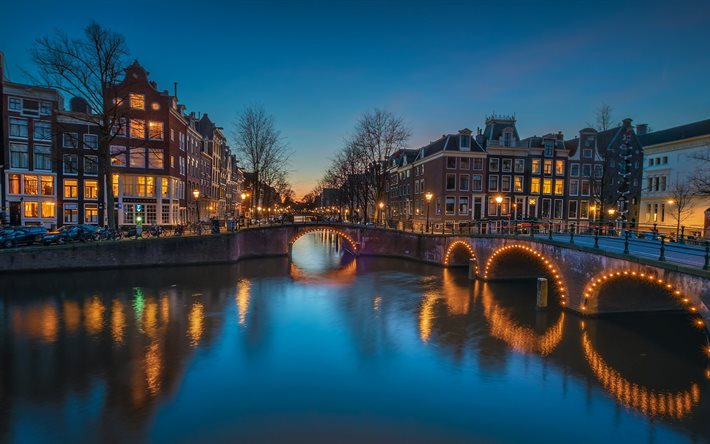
pixel 21 236
pixel 72 233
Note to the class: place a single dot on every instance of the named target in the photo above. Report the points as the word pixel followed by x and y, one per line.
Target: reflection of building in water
pixel 195 321
pixel 632 395
pixel 243 295
pixel 518 337
pixel 345 274
pixel 456 298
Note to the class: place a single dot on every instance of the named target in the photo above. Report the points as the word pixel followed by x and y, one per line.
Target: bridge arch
pixel 593 287
pixel 340 233
pixel 545 262
pixel 458 245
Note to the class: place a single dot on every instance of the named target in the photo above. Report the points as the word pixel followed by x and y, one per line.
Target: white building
pixel 670 159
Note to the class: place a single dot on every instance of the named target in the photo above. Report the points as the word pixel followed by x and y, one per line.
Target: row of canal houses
pixel 494 175
pixel 160 155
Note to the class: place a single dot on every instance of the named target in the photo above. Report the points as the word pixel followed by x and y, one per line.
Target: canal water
pixel 328 349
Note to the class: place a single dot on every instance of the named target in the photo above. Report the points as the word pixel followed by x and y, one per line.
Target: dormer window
pixel 549 146
pixel 465 142
pixel 137 101
pixel 507 139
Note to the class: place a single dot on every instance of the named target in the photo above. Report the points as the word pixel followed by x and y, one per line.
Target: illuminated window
pixel 71 188
pixel 47 185
pixel 535 185
pixel 114 184
pixel 91 214
pixel 518 184
pixel 155 106
pixel 137 129
pixel 536 166
pixel 155 158
pixel 559 187
pixel 31 185
pixel 91 189
pixel 155 130
pixel 547 186
pixel 118 156
pixel 14 184
pixel 137 101
pixel 31 209
pixel 137 157
pixel 71 214
pixel 48 209
pixel 164 188
pixel 548 167
pixel 559 167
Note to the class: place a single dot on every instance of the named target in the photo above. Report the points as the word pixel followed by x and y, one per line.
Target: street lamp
pixel 499 200
pixel 611 212
pixel 428 197
pixel 677 229
pixel 382 218
pixel 196 195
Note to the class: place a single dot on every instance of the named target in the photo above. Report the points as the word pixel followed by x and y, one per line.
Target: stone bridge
pixel 582 279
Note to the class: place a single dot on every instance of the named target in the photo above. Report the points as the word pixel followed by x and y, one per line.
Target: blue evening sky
pixel 441 65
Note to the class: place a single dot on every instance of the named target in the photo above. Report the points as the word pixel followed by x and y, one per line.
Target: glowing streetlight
pixel 196 195
pixel 428 196
pixel 499 200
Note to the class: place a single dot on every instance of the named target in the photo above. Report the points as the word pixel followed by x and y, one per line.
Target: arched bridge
pixel 582 278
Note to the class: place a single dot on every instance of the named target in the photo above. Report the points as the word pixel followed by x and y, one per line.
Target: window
pixel 155 158
pixel 587 153
pixel 91 141
pixel 598 171
pixel 114 184
pixel 42 130
pixel 71 188
pixel 137 129
pixel 91 214
pixel 118 156
pixel 71 164
pixel 91 165
pixel 536 166
pixel 507 165
pixel 165 214
pixel 463 182
pixel 45 108
pixel 164 190
pixel 519 165
pixel 476 182
pixel 465 142
pixel 15 104
pixel 559 168
pixel 451 163
pixel 583 209
pixel 128 213
pixel 650 162
pixel 48 209
pixel 505 184
pixel 43 157
pixel 30 107
pixel 450 205
pixel 18 128
pixel 572 209
pixel 31 185
pixel 665 160
pixel 492 206
pixel 547 186
pixel 535 185
pixel 493 165
pixel 450 182
pixel 70 140
pixel 557 209
pixel 150 214
pixel 573 187
pixel 71 214
pixel 492 183
pixel 585 188
pixel 14 184
pixel 507 139
pixel 586 170
pixel 545 208
pixel 663 183
pixel 549 146
pixel 518 184
pixel 31 209
pixel 463 205
pixel 137 157
pixel 547 167
pixel 155 130
pixel 574 169
pixel 19 157
pixel 172 135
pixel 140 186
pixel 119 128
pixel 656 183
pixel 559 187
pixel 478 164
pixel 46 185
pixel 91 189
pixel 464 163
pixel 137 101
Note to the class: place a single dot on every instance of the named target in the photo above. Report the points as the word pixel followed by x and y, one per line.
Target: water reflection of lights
pixel 195 322
pixel 457 301
pixel 519 338
pixel 468 248
pixel 548 264
pixel 591 290
pixel 40 323
pixel 632 395
pixel 343 235
pixel 72 316
pixel 243 295
pixel 426 316
pixel 339 276
pixel 153 367
pixel 118 321
pixel 94 315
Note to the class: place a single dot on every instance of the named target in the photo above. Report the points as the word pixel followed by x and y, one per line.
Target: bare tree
pixel 682 194
pixel 261 148
pixel 700 179
pixel 603 118
pixel 378 134
pixel 89 68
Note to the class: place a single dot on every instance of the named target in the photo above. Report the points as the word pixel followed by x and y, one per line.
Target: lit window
pixel 155 158
pixel 547 186
pixel 47 185
pixel 137 129
pixel 31 209
pixel 91 214
pixel 118 156
pixel 137 101
pixel 559 187
pixel 559 168
pixel 155 106
pixel 71 188
pixel 31 185
pixel 155 130
pixel 548 167
pixel 137 157
pixel 535 185
pixel 91 189
pixel 14 184
pixel 47 209
pixel 518 184
pixel 71 214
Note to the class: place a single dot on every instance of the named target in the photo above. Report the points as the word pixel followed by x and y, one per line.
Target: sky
pixel 441 66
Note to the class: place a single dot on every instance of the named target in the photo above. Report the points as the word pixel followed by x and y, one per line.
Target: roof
pixel 688 131
pixel 449 142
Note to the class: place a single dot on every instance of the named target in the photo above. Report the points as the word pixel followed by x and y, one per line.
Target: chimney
pixel 175 89
pixel 641 129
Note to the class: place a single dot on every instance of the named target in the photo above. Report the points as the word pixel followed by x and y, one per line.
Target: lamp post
pixel 499 200
pixel 677 228
pixel 531 213
pixel 382 218
pixel 196 195
pixel 611 212
pixel 428 196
